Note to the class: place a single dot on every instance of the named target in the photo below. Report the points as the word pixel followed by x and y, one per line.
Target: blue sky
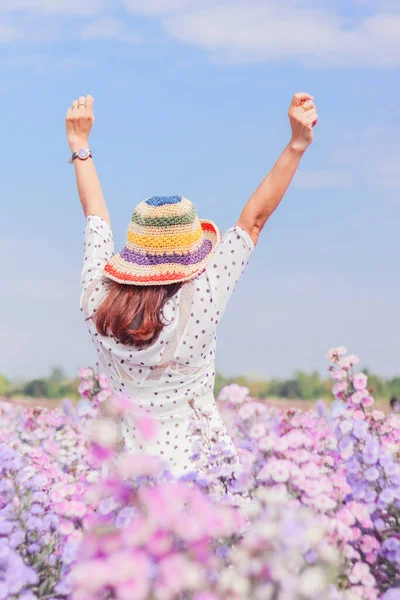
pixel 191 99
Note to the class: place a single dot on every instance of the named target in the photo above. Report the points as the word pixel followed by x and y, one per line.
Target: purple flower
pixel 28 596
pixel 360 429
pixel 67 407
pixel 3 591
pixel 391 544
pixel 392 594
pixel 371 452
pixel 34 523
pixel 371 474
pixel 352 465
pixel 386 496
pixel 5 527
pixel 17 538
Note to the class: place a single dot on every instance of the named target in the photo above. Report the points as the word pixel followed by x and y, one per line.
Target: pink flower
pixel 246 411
pixel 334 354
pixel 234 393
pixel 85 388
pixel 134 589
pixel 368 580
pixel 349 361
pixel 103 381
pixel 58 495
pixel 324 502
pixel 66 528
pixel 339 389
pixel 360 381
pixel 358 572
pixel 85 373
pixel 378 415
pixel 76 509
pixel 146 427
pixel 279 470
pixel 103 395
pixel 369 543
pixel 339 374
pixel 311 470
pixel 61 508
pixel 257 431
pixel 135 465
pixel 281 445
pixel 312 487
pixel 367 401
pixel 357 397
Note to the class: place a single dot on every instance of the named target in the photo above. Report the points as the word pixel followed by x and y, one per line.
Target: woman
pixel 153 309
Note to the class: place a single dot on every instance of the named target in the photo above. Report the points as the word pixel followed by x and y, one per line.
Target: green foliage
pixel 5 386
pixel 57 385
pixel 307 386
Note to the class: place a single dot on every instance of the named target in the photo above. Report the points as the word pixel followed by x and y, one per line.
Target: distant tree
pixel 58 375
pixel 220 382
pixel 5 385
pixel 310 386
pixel 288 389
pixel 38 388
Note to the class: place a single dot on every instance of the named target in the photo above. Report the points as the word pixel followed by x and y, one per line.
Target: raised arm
pixel 267 197
pixel 79 122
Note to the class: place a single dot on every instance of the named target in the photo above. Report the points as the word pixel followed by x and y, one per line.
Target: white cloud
pixel 87 7
pixel 272 31
pixel 356 159
pixel 306 32
pixel 109 28
pixel 161 7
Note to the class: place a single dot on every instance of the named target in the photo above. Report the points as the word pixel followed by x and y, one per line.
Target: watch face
pixel 83 153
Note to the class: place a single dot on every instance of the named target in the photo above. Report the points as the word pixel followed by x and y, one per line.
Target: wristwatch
pixel 82 154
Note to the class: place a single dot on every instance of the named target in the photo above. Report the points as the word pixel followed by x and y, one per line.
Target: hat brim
pixel 167 268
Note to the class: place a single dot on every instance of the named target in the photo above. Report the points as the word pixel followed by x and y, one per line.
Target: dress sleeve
pixel 98 248
pixel 227 265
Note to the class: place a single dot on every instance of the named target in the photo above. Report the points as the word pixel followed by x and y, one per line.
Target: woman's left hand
pixel 79 122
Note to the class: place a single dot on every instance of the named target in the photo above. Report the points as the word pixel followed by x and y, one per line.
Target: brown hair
pixel 132 314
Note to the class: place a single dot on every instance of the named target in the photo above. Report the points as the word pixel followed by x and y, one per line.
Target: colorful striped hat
pixel 166 243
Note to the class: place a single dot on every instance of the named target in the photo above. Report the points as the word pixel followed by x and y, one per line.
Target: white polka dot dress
pixel 179 366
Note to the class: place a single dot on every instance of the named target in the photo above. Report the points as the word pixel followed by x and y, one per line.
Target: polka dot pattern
pixel 179 366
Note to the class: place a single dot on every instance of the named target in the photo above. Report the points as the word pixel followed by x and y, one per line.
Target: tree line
pixel 307 386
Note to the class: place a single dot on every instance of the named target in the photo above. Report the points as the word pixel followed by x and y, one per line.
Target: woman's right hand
pixel 79 122
pixel 303 117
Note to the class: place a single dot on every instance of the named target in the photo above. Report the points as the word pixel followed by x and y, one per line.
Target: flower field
pixel 311 510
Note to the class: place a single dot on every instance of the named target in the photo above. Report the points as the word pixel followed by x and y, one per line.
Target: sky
pixel 191 98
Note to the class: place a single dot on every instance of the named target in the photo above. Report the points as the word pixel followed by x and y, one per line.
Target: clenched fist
pixel 79 121
pixel 303 117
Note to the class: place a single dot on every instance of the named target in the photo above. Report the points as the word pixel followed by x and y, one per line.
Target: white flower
pixel 349 361
pixel 234 393
pixel 104 432
pixel 257 431
pixel 335 353
pixel 231 580
pixel 312 582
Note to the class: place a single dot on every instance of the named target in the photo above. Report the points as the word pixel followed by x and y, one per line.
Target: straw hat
pixel 166 243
